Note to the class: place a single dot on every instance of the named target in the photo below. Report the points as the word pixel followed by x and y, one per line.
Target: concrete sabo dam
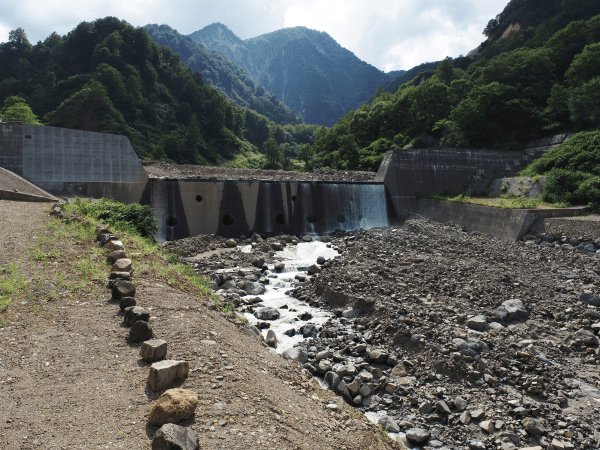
pixel 69 162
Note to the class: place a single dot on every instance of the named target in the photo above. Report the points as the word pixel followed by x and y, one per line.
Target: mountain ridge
pixel 307 69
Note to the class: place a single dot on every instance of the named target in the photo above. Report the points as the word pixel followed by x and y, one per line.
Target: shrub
pixel 136 216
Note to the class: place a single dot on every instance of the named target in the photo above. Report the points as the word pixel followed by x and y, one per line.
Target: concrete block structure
pixel 73 162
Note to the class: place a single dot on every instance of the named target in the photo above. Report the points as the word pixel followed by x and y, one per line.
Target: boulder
pixel 388 423
pixel 478 323
pixel 135 313
pixel 267 313
pixel 114 245
pixel 587 337
pixel 533 426
pixel 307 238
pixel 230 243
pixel 252 288
pixel 105 238
pixel 298 354
pixel 153 350
pixel 377 355
pixel 512 309
pixel 309 330
pixel 123 289
pixel 313 269
pixel 115 256
pixel 590 299
pixel 140 331
pixel 417 435
pixel 174 437
pixel 173 406
pixel 271 339
pixel 470 346
pixel 126 302
pixel 279 267
pixel 122 265
pixel 163 373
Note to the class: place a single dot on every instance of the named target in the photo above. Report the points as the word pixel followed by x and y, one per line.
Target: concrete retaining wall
pixel 73 162
pixel 506 224
pixel 233 208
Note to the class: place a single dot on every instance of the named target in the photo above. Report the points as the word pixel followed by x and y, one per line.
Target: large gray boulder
pixel 512 309
pixel 470 346
pixel 478 323
pixel 175 437
pixel 267 313
pixel 590 299
pixel 389 424
pixel 163 373
pixel 252 288
pixel 298 354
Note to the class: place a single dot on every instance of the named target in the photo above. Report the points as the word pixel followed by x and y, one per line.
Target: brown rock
pixel 173 406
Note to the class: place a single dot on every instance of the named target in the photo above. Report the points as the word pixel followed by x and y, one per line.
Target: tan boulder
pixel 173 406
pixel 122 265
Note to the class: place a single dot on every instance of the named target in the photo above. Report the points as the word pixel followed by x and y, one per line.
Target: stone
pixel 399 371
pixel 478 414
pixel 279 267
pixel 153 350
pixel 342 390
pixel 475 444
pixel 174 437
pixel 135 313
pixel 478 323
pixel 321 260
pixel 313 269
pixel 307 238
pixel 105 238
pixel 298 354
pixel 425 408
pixel 267 313
pixel 465 418
pixel 271 339
pixel 230 243
pixel 276 246
pixel 252 288
pixel 140 331
pixel 590 299
pixel 114 246
pixel 173 406
pixel 115 256
pixel 163 373
pixel 377 355
pixel 354 388
pixel 309 330
pixel 442 407
pixel 512 309
pixel 123 289
pixel 460 403
pixel 487 426
pixel 325 354
pixel 587 337
pixel 305 316
pixel 290 333
pixel 417 435
pixel 126 302
pixel 120 276
pixel 324 366
pixel 365 390
pixel 122 265
pixel 352 313
pixel 470 346
pixel 586 247
pixel 533 426
pixel 388 423
pixel 557 444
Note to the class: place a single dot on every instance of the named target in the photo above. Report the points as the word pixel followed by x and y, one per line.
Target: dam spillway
pixel 231 208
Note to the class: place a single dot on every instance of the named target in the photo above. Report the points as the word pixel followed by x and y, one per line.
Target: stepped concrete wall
pixel 408 172
pixel 73 162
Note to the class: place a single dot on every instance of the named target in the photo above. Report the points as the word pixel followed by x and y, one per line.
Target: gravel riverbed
pixel 447 338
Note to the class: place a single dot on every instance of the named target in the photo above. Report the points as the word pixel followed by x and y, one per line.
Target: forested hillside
pixel 307 69
pixel 223 75
pixel 108 76
pixel 537 87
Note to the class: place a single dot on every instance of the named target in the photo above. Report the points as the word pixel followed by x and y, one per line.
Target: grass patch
pixel 11 283
pixel 504 201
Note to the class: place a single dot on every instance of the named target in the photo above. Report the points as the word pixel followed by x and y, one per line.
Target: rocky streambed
pixel 447 338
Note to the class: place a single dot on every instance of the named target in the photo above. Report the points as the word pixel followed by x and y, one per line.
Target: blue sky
pixel 389 34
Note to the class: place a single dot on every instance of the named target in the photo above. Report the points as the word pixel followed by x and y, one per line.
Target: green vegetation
pixel 226 77
pixel 307 69
pixel 119 215
pixel 535 85
pixel 11 282
pixel 504 201
pixel 573 171
pixel 16 108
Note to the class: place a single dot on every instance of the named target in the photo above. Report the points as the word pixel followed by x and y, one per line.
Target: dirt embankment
pixel 70 379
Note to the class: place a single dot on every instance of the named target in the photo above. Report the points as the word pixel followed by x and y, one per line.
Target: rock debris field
pixel 447 338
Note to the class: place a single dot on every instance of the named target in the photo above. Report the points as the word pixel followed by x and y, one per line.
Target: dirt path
pixel 69 379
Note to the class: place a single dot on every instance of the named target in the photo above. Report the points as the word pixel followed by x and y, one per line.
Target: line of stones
pixel 174 405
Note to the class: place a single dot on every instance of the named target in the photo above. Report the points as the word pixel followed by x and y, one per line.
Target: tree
pixel 306 154
pixel 18 109
pixel 273 153
pixel 18 40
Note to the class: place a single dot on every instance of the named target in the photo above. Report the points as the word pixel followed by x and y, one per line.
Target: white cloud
pixel 390 34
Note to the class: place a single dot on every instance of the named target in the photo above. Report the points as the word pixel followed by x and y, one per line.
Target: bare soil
pixel 69 378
